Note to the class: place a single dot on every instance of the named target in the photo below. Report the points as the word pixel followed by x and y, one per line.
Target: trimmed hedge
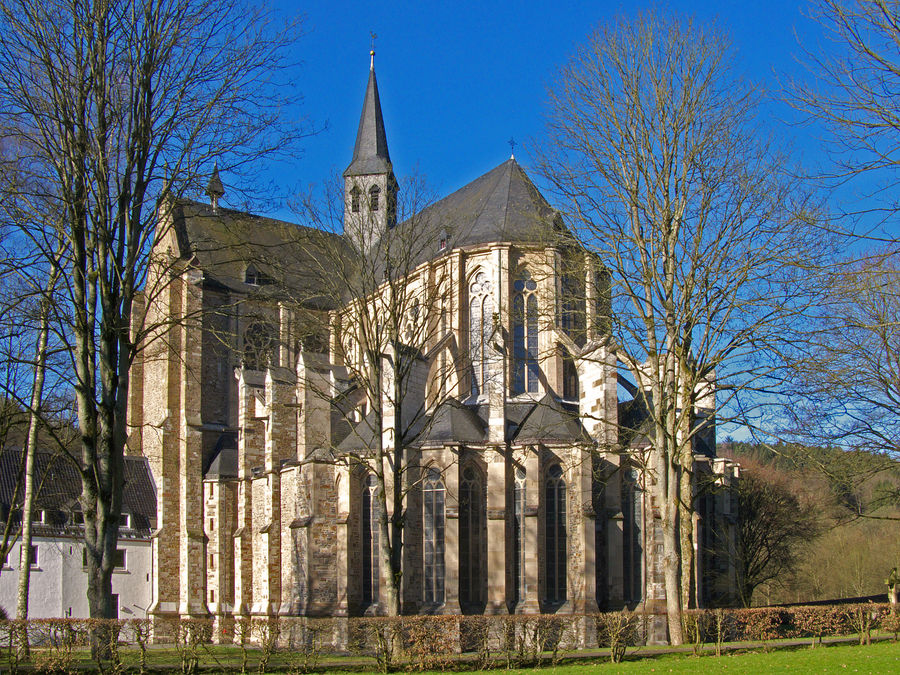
pixel 416 643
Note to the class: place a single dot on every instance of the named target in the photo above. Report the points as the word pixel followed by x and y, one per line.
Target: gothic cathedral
pixel 521 490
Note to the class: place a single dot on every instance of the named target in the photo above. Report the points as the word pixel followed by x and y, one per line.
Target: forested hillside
pixel 845 509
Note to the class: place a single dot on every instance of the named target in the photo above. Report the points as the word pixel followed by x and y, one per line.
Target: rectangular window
pixel 118 558
pixel 34 556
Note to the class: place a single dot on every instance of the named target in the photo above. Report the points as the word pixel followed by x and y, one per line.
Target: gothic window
pixel 374 197
pixel 519 535
pixel 259 346
pixel 525 335
pixel 481 318
pixel 572 307
pixel 471 537
pixel 355 194
pixel 570 379
pixel 433 534
pixel 632 525
pixel 370 566
pixel 555 538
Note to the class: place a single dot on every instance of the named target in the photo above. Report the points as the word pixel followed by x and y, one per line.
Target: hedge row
pixel 297 644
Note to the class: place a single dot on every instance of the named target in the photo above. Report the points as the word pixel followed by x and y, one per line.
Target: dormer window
pixel 251 276
pixel 254 277
pixel 443 243
pixel 125 521
pixel 374 196
pixel 355 193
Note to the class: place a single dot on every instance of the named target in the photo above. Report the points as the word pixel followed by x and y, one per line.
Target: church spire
pixel 370 154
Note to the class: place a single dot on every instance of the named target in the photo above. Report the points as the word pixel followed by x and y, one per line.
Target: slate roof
pixel 551 421
pixel 222 243
pixel 60 487
pixel 224 465
pixel 370 153
pixel 503 205
pixel 544 421
pixel 453 422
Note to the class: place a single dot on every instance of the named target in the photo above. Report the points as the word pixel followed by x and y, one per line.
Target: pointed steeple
pixel 370 154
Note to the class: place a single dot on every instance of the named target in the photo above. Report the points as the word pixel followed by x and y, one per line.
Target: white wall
pixel 58 586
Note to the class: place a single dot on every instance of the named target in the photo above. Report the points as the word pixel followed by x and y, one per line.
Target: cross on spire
pixel 512 147
pixel 372 52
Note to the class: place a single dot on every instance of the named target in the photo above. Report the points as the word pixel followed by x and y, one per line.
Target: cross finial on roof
pixel 372 51
pixel 512 147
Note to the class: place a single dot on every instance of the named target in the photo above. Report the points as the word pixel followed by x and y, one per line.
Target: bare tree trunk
pixel 671 548
pixel 689 597
pixel 37 395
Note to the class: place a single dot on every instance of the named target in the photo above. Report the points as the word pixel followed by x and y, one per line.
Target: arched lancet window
pixel 572 306
pixel 433 535
pixel 374 198
pixel 481 318
pixel 570 379
pixel 525 335
pixel 519 535
pixel 633 546
pixel 370 566
pixel 555 538
pixel 355 196
pixel 259 346
pixel 471 538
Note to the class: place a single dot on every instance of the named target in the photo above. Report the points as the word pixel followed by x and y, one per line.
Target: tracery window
pixel 355 195
pixel 555 536
pixel 471 537
pixel 374 197
pixel 259 346
pixel 632 522
pixel 433 534
pixel 525 335
pixel 481 318
pixel 370 558
pixel 519 534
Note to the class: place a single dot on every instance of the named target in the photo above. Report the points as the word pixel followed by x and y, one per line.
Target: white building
pixel 58 585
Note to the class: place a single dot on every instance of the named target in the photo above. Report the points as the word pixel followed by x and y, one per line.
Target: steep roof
pixel 223 242
pixel 60 487
pixel 370 153
pixel 501 205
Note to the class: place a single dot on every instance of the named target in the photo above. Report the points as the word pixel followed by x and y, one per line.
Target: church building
pixel 254 405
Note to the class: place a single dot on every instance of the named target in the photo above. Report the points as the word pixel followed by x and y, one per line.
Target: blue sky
pixel 458 79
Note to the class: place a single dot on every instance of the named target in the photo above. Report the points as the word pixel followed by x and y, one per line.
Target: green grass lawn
pixel 882 657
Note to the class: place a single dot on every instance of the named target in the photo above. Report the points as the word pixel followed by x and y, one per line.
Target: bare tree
pixel 775 524
pixel 852 87
pixel 655 151
pixel 392 336
pixel 114 105
pixel 843 418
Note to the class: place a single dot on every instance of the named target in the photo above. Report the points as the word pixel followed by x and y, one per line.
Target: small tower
pixel 370 189
pixel 215 189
